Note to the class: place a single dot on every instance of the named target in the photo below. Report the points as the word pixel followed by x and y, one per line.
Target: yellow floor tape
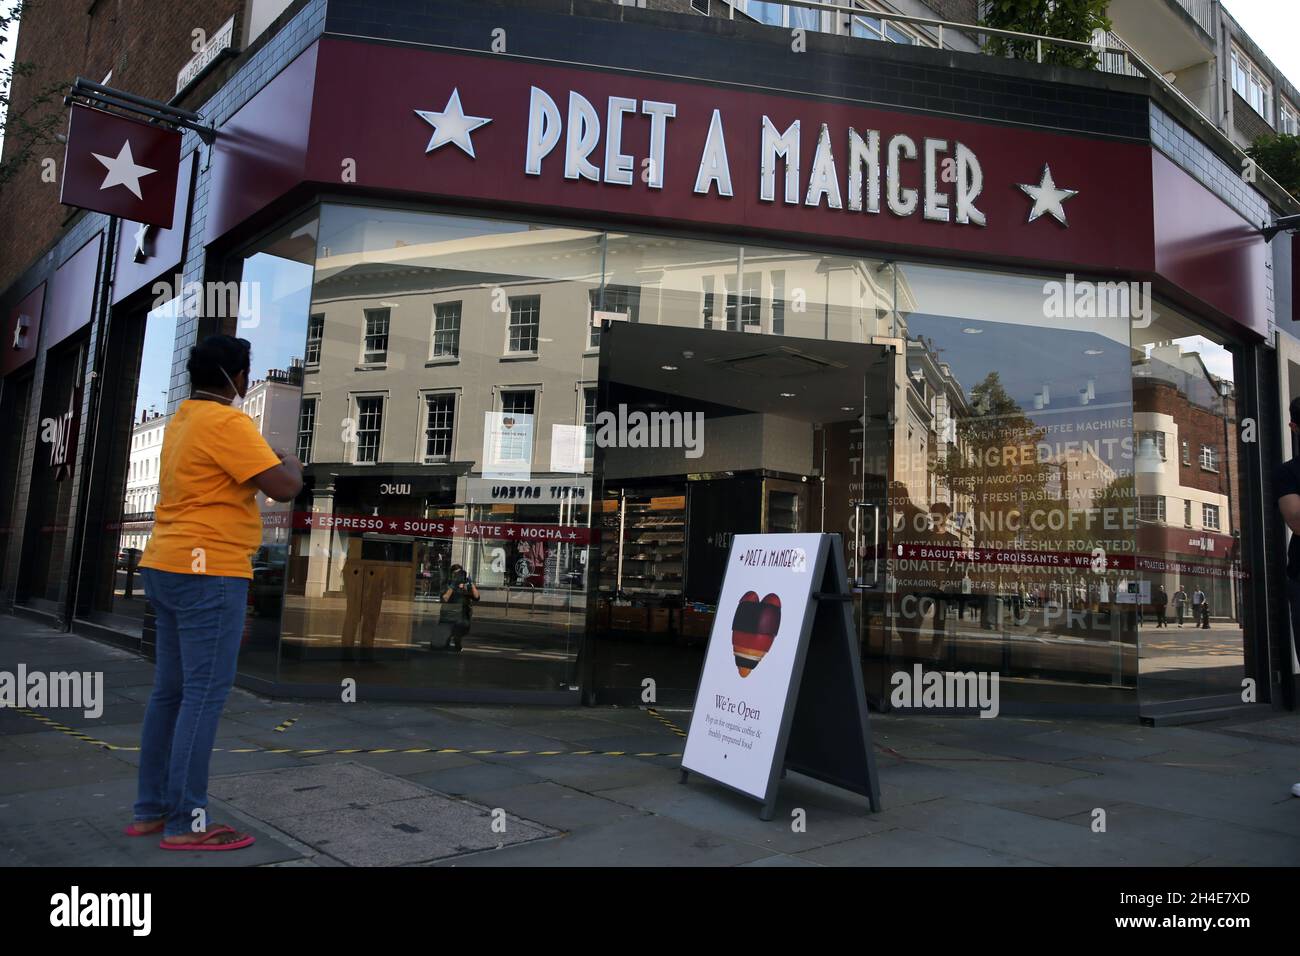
pixel 317 752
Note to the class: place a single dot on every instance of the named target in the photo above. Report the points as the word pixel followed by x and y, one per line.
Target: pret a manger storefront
pixel 573 329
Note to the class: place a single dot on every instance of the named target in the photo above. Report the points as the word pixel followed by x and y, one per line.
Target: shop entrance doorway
pixel 701 435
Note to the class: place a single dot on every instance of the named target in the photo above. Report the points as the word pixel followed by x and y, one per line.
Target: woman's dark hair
pixel 215 354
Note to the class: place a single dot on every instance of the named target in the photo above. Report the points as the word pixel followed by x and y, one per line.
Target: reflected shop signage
pixel 536 492
pixel 427 527
pixel 933 557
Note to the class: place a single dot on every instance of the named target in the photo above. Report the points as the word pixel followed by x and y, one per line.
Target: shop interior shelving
pixel 646 535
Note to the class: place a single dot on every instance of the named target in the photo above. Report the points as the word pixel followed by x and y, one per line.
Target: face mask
pixel 238 400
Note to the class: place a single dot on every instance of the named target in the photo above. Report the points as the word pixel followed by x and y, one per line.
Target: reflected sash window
pixel 446 330
pixel 589 420
pixel 525 323
pixel 1209 458
pixel 439 422
pixel 1210 517
pixel 1151 508
pixel 370 426
pixel 315 332
pixel 306 428
pixel 744 310
pixel 375 346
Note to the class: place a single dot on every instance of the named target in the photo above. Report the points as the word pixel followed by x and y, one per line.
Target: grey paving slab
pixel 587 729
pixel 398 764
pixel 1105 745
pixel 635 743
pixel 67 842
pixel 781 860
pixel 593 772
pixel 1025 772
pixel 472 778
pixel 636 841
pixel 828 815
pixel 1053 805
pixel 1208 741
pixel 1033 837
pixel 75 717
pixel 1200 835
pixel 1258 800
pixel 275 794
pixel 406 832
pixel 912 783
pixel 51 773
pixel 561 807
pixel 110 799
pixel 900 847
pixel 45 742
pixel 1285 728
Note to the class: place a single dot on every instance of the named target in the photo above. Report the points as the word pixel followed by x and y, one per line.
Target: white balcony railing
pixel 1202 11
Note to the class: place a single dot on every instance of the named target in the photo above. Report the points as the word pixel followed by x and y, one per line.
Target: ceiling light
pixel 846 408
pixel 971 330
pixel 669 368
pixel 1092 351
pixel 787 394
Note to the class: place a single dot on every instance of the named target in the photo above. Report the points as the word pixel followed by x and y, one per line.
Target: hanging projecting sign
pixel 781 687
pixel 121 167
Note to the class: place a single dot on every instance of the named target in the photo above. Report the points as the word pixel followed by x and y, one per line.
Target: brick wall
pixel 958 11
pixel 1246 121
pixel 1196 425
pixel 143 43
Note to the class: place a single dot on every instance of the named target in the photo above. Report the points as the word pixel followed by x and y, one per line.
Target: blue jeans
pixel 200 619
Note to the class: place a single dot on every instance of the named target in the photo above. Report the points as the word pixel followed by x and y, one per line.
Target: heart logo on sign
pixel 753 629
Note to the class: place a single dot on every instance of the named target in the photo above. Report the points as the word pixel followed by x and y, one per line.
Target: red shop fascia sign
pixel 351 115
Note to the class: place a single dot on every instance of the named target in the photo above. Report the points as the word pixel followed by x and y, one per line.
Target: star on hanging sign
pixel 123 170
pixel 452 125
pixel 1047 197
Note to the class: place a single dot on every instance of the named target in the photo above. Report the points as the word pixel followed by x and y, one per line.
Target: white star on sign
pixel 123 170
pixel 452 125
pixel 1047 198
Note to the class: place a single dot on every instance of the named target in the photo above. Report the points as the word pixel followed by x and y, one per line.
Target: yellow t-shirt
pixel 205 500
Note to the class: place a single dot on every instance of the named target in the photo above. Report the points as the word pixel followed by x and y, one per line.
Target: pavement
pixel 461 785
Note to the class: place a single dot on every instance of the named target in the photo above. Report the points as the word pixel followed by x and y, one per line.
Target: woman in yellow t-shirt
pixel 196 568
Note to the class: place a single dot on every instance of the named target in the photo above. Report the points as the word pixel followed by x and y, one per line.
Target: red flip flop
pixel 203 844
pixel 131 830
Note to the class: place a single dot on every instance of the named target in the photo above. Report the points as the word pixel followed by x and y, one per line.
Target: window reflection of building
pixel 432 341
pixel 1186 506
pixel 142 470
